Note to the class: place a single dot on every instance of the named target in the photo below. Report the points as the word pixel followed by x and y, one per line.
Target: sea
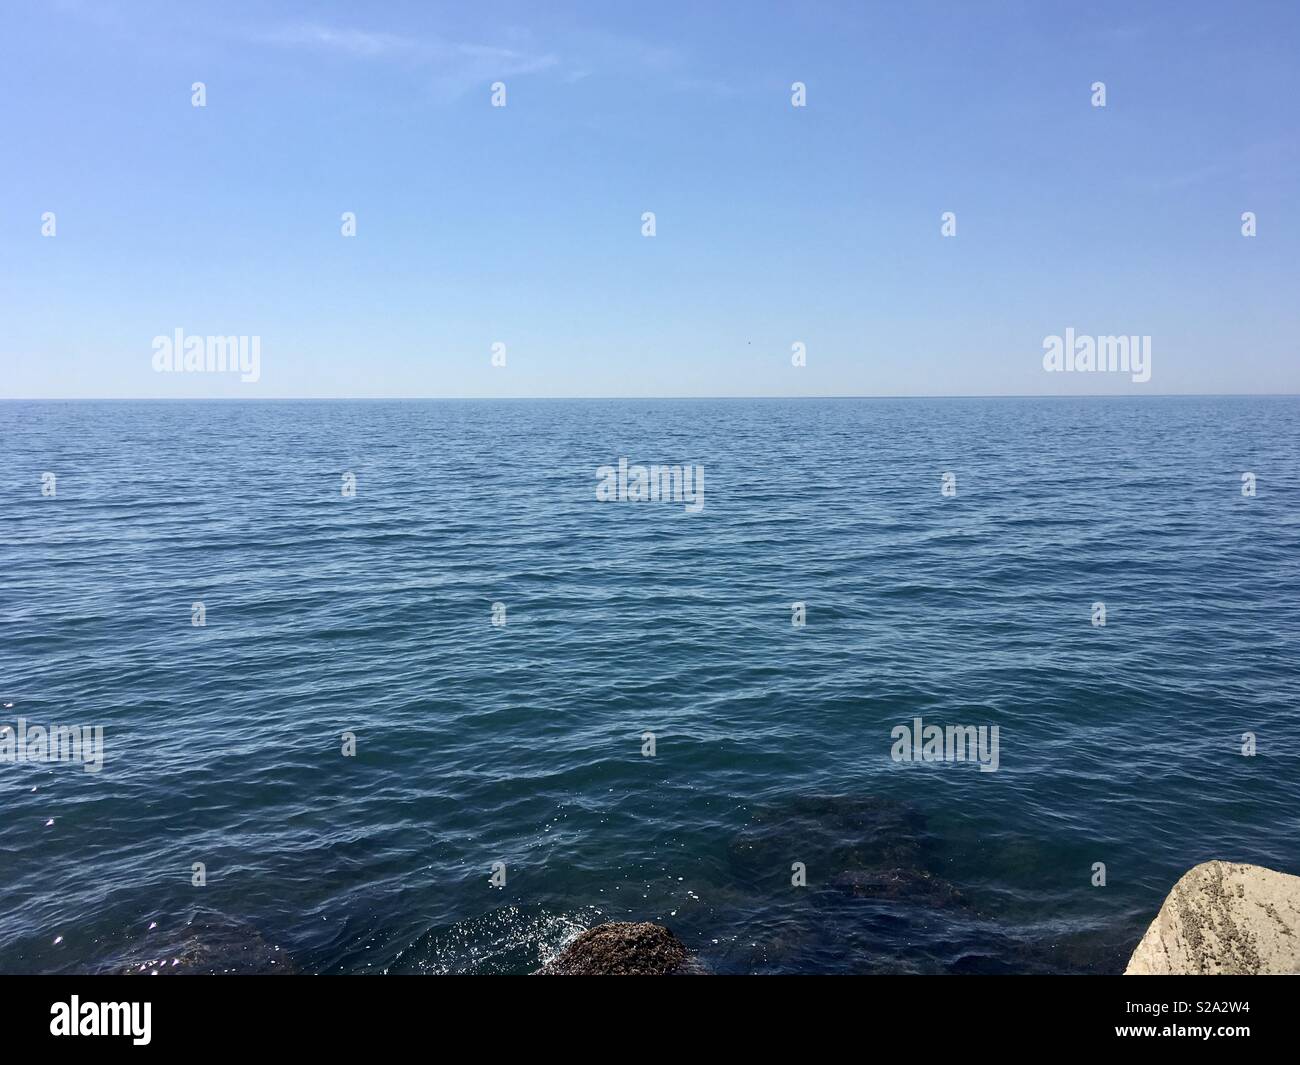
pixel 394 687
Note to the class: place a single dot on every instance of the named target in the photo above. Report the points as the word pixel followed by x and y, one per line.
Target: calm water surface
pixel 522 744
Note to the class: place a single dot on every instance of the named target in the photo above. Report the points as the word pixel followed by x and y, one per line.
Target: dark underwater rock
pixel 621 948
pixel 862 847
pixel 909 885
pixel 874 900
pixel 208 945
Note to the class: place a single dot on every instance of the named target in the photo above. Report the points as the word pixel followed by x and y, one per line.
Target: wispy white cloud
pixel 453 65
pixel 667 66
pixel 457 66
pixel 359 43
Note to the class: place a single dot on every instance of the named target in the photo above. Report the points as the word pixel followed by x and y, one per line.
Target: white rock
pixel 1224 918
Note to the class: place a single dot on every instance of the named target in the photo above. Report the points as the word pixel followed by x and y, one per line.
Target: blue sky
pixel 522 225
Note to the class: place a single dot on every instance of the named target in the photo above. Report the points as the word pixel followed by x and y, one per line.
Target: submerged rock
pixel 207 944
pixel 830 833
pixel 621 948
pixel 857 847
pixel 910 885
pixel 1224 918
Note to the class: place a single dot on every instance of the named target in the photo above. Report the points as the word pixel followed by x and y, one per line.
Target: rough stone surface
pixel 1224 918
pixel 621 948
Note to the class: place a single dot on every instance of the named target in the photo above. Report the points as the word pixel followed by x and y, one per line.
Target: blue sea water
pixel 522 744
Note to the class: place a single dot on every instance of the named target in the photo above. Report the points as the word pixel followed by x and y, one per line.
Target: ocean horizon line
pixel 635 399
